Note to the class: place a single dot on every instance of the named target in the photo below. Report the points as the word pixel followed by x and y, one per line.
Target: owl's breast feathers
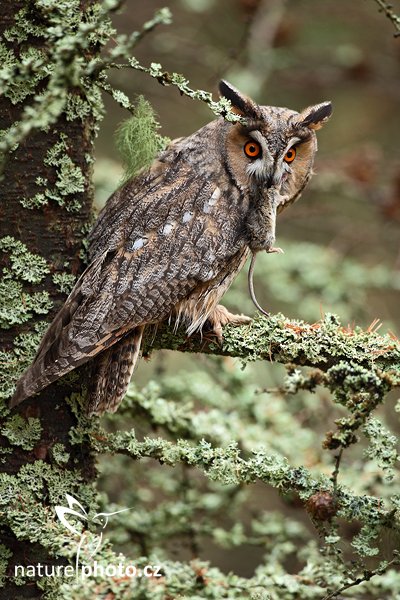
pixel 168 242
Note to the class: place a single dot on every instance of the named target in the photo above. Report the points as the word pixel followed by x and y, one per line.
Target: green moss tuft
pixel 137 139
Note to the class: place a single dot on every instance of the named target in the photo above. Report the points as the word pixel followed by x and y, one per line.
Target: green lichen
pixel 137 139
pixel 24 27
pixel 17 306
pixel 20 77
pixel 84 425
pixel 72 37
pixel 14 362
pixel 365 541
pixel 233 435
pixel 5 555
pixel 69 180
pixel 36 201
pixel 221 108
pixel 64 281
pixel 359 367
pixel 230 467
pixel 382 447
pixel 24 264
pixel 59 454
pixel 77 107
pixel 22 432
pixel 27 501
pixel 324 345
pixel 95 101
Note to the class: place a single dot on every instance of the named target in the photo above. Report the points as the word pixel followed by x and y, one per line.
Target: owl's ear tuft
pixel 316 116
pixel 241 105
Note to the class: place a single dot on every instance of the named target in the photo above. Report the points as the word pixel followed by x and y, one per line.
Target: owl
pixel 169 243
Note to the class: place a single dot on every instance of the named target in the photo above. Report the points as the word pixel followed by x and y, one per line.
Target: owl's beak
pixel 277 177
pixel 267 183
pixel 273 181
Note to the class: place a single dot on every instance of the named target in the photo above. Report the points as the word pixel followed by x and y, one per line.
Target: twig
pixel 221 108
pixel 366 577
pixel 391 15
pixel 162 16
pixel 335 473
pixel 124 43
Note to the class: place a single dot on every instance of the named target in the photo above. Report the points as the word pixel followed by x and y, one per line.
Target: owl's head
pixel 275 146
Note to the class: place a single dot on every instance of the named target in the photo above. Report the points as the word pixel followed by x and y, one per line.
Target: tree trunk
pixel 46 198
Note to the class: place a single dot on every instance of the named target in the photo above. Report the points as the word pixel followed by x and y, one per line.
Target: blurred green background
pixel 341 243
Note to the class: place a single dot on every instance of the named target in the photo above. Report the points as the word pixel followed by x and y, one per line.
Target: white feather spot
pixel 139 243
pixel 216 195
pixel 188 216
pixel 167 228
pixel 211 201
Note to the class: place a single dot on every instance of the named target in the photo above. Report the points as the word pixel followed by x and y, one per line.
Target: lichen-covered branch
pixel 358 366
pixel 323 344
pixel 220 108
pixel 227 465
pixel 387 8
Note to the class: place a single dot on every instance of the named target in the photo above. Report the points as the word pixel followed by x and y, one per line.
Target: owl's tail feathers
pixel 45 369
pixel 111 373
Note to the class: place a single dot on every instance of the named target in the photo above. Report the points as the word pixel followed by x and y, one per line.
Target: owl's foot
pixel 220 317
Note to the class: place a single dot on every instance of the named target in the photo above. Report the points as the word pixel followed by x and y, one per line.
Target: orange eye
pixel 252 149
pixel 290 155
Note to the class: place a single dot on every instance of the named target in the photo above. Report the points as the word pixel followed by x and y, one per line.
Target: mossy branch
pixel 359 367
pixel 229 467
pixel 322 345
pixel 221 108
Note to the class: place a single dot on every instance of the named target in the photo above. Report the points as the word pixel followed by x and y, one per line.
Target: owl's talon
pixel 221 317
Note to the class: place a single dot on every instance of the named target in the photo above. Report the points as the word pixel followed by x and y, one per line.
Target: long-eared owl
pixel 169 243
